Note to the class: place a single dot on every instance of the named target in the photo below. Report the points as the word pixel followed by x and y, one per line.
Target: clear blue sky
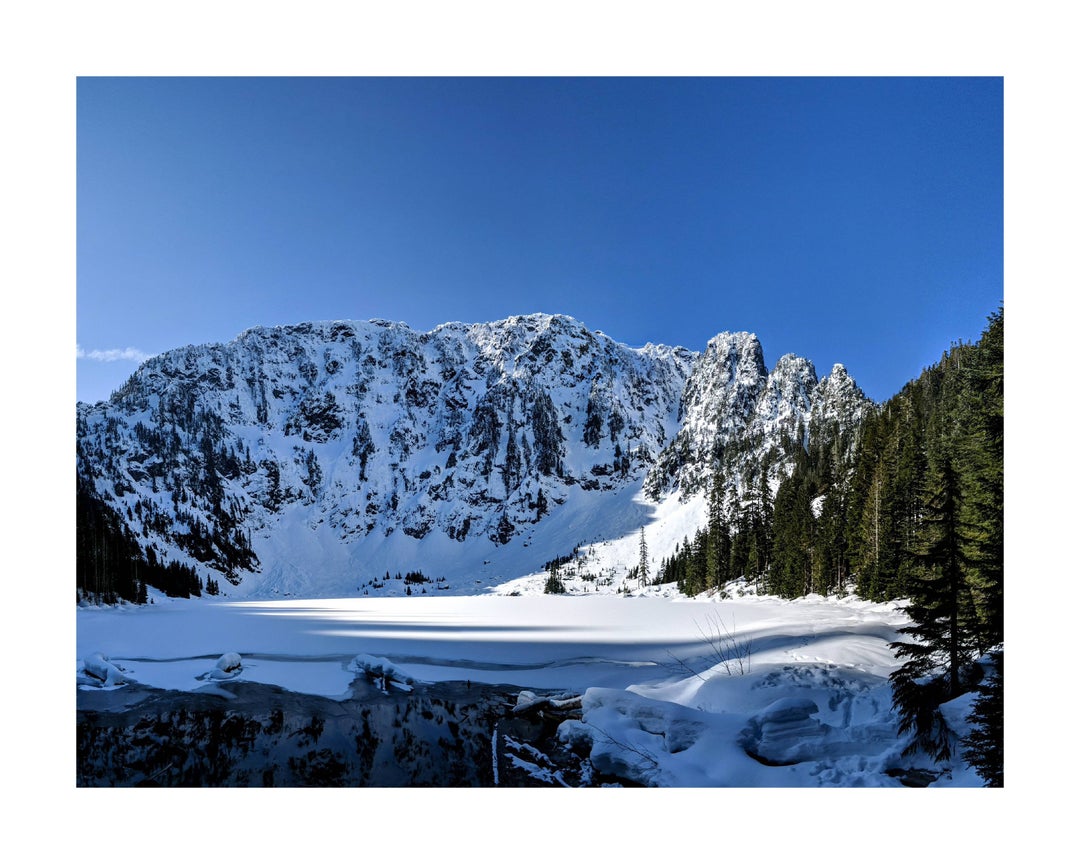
pixel 846 220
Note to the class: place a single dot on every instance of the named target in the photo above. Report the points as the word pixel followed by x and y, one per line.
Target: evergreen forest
pixel 914 510
pixel 110 564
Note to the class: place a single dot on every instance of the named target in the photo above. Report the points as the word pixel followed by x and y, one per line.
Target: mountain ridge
pixel 305 449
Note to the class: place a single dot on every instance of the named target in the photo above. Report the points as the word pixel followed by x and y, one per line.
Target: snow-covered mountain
pixel 311 459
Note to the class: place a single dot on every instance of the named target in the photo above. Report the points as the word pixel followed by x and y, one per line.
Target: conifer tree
pixel 830 565
pixel 541 504
pixel 984 747
pixel 931 675
pixel 718 554
pixel 983 418
pixel 643 560
pixel 984 453
pixel 790 573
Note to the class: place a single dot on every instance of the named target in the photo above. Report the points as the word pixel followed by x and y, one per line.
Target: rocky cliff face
pixel 324 452
pixel 739 418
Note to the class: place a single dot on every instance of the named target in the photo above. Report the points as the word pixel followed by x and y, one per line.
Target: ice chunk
pixel 103 672
pixel 229 665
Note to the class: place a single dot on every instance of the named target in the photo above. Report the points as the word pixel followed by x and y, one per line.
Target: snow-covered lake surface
pixel 549 642
pixel 676 692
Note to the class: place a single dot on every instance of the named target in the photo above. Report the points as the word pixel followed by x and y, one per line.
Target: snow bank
pixel 228 666
pixel 99 671
pixel 382 672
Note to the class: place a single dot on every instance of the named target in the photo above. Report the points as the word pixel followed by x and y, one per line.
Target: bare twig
pixel 682 665
pixel 725 647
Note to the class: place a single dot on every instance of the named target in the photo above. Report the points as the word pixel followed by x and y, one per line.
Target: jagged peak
pixel 734 355
pixel 837 393
pixel 838 375
pixel 839 379
pixel 794 364
pixel 729 338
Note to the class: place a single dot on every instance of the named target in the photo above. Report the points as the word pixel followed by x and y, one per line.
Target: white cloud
pixel 108 356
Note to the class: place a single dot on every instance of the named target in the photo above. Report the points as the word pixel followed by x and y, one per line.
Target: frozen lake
pixel 537 641
pixel 752 691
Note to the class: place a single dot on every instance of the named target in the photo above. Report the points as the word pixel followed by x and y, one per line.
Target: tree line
pixel 915 509
pixel 110 564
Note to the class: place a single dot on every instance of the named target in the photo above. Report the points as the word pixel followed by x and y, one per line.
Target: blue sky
pixel 843 219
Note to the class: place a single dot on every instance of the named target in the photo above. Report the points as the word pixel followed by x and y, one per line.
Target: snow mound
pixel 228 666
pixel 525 699
pixel 99 671
pixel 784 733
pixel 631 737
pixel 382 672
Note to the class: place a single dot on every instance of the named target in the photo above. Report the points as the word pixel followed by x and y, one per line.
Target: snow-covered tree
pixel 643 562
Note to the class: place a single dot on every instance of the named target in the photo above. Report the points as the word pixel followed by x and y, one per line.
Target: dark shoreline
pixel 247 734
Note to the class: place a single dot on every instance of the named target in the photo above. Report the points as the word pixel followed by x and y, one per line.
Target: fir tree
pixel 984 453
pixel 541 504
pixel 830 565
pixel 984 747
pixel 643 559
pixel 790 573
pixel 554 584
pixel 719 542
pixel 932 674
